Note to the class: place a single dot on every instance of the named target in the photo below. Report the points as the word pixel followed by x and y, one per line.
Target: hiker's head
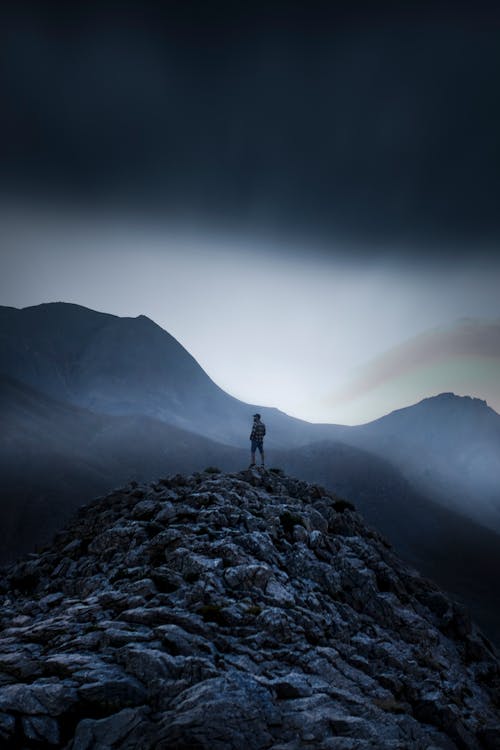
pixel 256 417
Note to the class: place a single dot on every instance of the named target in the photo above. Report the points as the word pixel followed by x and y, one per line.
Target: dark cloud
pixel 365 122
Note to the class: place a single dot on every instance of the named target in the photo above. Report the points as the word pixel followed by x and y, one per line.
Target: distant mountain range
pixel 89 401
pixel 124 366
pixel 448 447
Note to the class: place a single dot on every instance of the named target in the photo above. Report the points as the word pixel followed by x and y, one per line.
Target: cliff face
pixel 244 610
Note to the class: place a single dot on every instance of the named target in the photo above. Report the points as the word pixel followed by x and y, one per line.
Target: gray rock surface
pixel 243 611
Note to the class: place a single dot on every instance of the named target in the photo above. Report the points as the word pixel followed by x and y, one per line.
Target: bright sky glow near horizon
pixel 288 327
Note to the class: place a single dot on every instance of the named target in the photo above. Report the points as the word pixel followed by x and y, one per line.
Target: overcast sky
pixel 292 192
pixel 373 120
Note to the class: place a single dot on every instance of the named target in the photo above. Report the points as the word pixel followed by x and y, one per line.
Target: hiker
pixel 257 438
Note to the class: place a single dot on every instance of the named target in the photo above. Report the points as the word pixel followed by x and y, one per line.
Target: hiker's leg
pixel 252 452
pixel 261 451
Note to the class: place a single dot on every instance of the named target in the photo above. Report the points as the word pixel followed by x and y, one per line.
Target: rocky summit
pixel 243 611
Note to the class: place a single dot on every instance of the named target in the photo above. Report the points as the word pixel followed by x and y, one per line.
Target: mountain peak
pixel 449 396
pixel 446 399
pixel 459 404
pixel 235 610
pixel 60 306
pixel 443 406
pixel 122 366
pixel 464 403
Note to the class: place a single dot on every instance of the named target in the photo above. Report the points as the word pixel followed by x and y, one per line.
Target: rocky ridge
pixel 247 610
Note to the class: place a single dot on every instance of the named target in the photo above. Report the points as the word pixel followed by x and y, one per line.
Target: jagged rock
pixel 248 610
pixel 7 727
pixel 40 697
pixel 111 690
pixel 116 730
pixel 41 729
pixel 232 711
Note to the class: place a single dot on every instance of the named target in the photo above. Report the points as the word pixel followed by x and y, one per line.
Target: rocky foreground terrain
pixel 243 611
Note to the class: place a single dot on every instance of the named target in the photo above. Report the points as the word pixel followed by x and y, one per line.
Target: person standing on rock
pixel 257 438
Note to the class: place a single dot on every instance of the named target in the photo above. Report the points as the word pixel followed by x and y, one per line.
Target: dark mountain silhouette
pixel 123 366
pixel 448 447
pixel 54 456
pixel 90 400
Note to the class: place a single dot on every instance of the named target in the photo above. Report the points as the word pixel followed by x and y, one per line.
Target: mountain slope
pixel 461 555
pixel 448 447
pixel 53 456
pixel 228 611
pixel 125 366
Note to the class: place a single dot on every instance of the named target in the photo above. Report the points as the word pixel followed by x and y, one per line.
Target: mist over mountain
pixel 123 366
pixel 55 456
pixel 448 447
pixel 288 204
pixel 462 555
pixel 90 401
